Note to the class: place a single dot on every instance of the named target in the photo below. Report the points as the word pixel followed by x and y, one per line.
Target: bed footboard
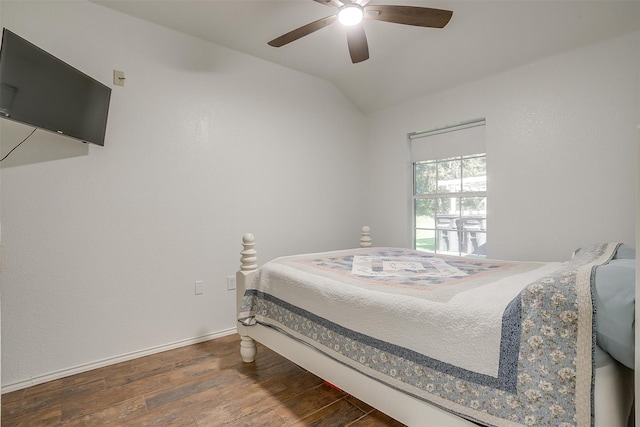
pixel 248 267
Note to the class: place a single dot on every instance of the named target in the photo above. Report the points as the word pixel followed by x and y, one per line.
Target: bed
pixel 436 340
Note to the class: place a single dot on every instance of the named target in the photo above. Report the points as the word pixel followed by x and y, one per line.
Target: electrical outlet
pixel 231 283
pixel 199 287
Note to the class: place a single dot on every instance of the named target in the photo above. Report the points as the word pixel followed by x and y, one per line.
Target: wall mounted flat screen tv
pixel 40 90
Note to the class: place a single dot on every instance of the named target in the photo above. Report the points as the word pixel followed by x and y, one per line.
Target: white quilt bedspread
pixel 464 330
pixel 499 342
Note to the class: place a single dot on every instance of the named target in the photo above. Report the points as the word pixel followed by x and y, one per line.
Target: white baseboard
pixel 39 379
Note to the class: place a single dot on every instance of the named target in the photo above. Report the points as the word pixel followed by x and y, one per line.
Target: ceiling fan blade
pixel 358 46
pixel 409 15
pixel 362 3
pixel 335 3
pixel 302 31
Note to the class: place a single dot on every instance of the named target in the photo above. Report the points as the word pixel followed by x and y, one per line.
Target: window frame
pixel 415 197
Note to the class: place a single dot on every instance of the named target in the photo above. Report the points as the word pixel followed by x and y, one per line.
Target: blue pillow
pixel 625 252
pixel 615 306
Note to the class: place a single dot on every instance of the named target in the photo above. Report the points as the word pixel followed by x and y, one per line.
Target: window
pixel 449 194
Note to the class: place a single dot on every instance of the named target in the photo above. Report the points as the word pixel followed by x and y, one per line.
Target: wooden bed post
pixel 248 267
pixel 365 240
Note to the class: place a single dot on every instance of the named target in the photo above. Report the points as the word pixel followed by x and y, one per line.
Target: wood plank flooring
pixel 204 384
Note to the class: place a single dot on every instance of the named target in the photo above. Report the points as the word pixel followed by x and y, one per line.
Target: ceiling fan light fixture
pixel 350 15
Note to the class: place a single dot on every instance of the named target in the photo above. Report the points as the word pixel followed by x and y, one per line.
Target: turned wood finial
pixel 248 256
pixel 365 240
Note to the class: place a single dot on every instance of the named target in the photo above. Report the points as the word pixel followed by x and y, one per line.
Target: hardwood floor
pixel 205 384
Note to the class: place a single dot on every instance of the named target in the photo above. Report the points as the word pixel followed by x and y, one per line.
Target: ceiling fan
pixel 350 13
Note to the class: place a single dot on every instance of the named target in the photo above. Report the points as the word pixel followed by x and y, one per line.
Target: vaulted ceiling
pixel 482 38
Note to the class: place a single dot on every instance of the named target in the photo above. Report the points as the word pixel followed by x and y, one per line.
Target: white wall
pixel 561 150
pixel 100 252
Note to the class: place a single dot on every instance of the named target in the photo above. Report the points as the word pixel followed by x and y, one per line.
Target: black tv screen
pixel 40 90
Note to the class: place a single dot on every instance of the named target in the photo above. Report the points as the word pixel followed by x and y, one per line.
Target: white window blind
pixel 452 141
